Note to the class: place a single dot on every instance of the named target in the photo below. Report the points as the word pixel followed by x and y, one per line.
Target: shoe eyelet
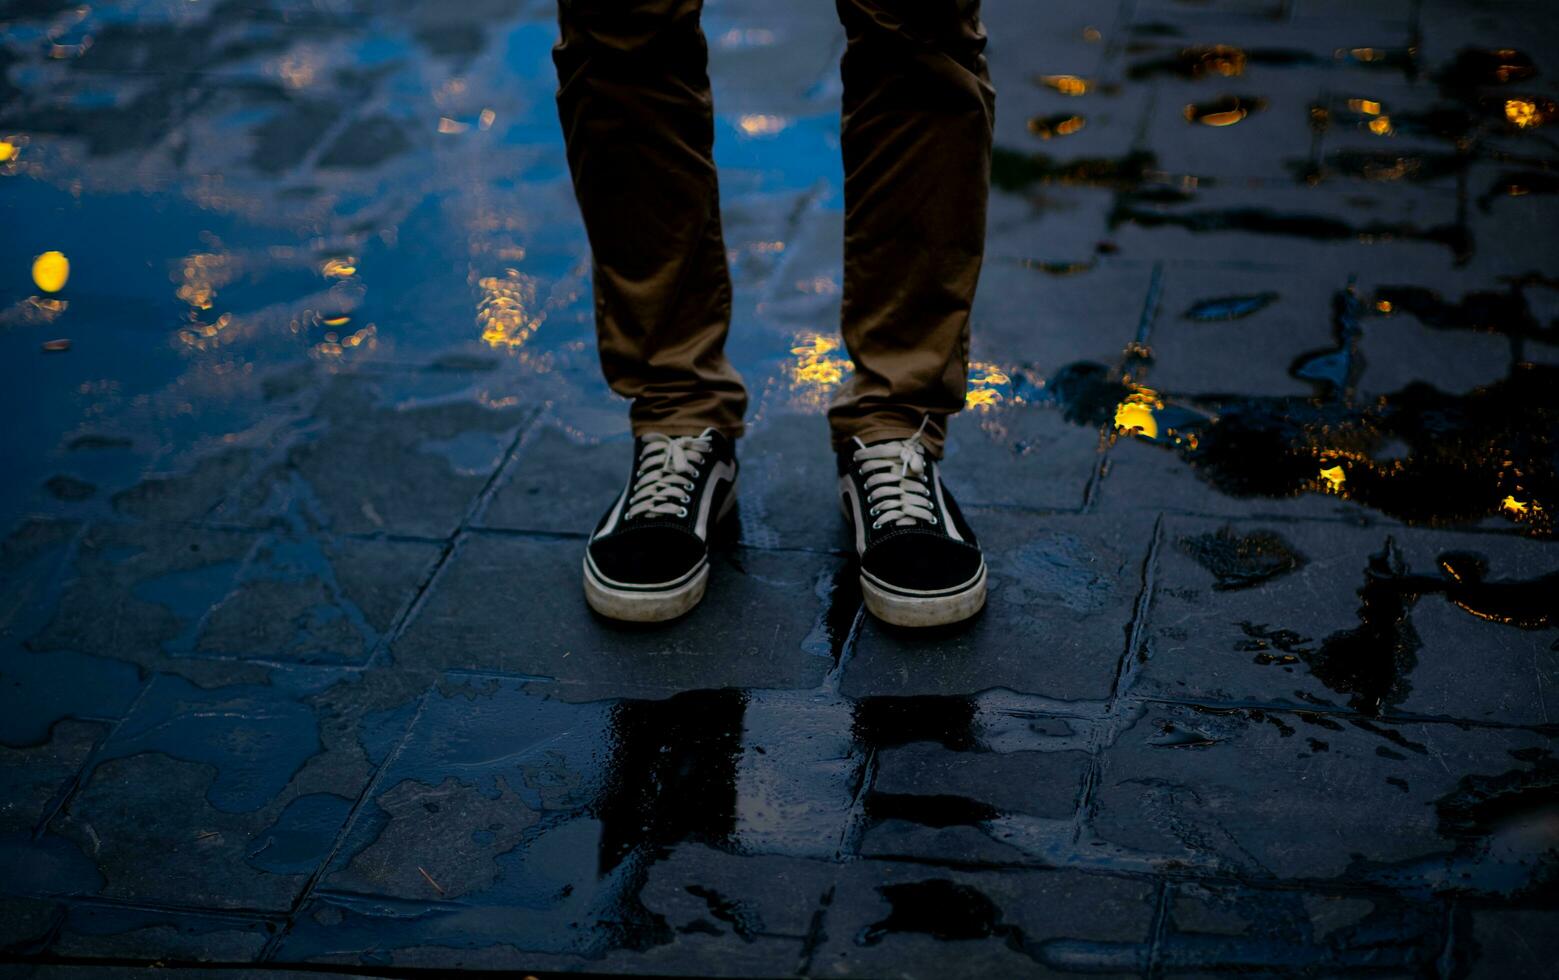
pixel 876 525
pixel 873 512
pixel 686 499
pixel 681 511
pixel 933 519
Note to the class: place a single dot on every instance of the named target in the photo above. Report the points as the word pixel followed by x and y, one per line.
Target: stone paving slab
pixel 150 595
pixel 1374 621
pixel 1063 592
pixel 1175 788
pixel 763 624
pixel 1257 443
pixel 1015 923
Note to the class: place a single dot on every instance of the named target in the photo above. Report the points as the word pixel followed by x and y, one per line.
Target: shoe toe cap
pixel 922 562
pixel 647 555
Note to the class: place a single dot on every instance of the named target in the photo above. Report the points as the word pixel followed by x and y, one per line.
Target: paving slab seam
pixel 1361 521
pixel 1125 673
pixel 1140 341
pixel 236 914
pixel 57 805
pixel 1445 963
pixel 1156 932
pixel 369 787
pixel 497 531
pixel 1333 711
pixel 245 968
pixel 1179 874
pixel 451 545
pixel 816 932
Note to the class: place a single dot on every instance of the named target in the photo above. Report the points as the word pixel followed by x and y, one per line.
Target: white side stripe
pixel 724 471
pixel 622 498
pixel 847 487
pixel 941 504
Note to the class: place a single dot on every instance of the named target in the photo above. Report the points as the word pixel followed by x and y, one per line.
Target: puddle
pixel 1213 61
pixel 1051 127
pixel 1372 662
pixel 1384 166
pixel 1012 170
pixel 943 909
pixel 1130 209
pixel 1418 454
pixel 301 837
pixel 1240 561
pixel 1228 307
pixel 1475 68
pixel 1224 111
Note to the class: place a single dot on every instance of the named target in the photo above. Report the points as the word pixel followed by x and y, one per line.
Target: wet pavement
pixel 305 428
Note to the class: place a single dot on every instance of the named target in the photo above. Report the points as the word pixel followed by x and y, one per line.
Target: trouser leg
pixel 918 109
pixel 633 97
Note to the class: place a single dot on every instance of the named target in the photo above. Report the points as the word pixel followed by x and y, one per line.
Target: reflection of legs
pixel 672 775
pixel 918 108
pixel 634 100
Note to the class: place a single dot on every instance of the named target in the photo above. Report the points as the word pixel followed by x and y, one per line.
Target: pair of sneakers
pixel 648 558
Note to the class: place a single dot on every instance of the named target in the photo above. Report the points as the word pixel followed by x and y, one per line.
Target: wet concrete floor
pixel 305 429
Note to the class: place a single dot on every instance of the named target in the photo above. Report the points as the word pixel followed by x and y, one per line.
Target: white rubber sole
pixel 900 609
pixel 658 605
pixel 634 606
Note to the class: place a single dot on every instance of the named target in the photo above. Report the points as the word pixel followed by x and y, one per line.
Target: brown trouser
pixel 637 115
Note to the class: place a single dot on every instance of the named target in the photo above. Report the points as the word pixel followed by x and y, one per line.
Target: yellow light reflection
pixel 1221 59
pixel 203 274
pixel 299 69
pixel 1530 113
pixel 484 121
pixel 335 346
pixel 1514 507
pixel 759 124
pixel 1511 67
pixel 1223 112
pixel 1046 127
pixel 1223 118
pixel 1367 106
pixel 7 151
pixel 449 126
pixel 50 271
pixel 1381 126
pixel 981 392
pixel 1065 84
pixel 339 268
pixel 817 370
pixel 507 311
pixel 1334 477
pixel 1138 419
pixel 1521 112
pixel 1134 415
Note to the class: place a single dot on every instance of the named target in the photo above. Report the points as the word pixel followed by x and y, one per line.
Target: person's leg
pixel 633 97
pixel 918 109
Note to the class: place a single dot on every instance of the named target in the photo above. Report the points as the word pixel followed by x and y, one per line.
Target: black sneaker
pixel 920 563
pixel 648 559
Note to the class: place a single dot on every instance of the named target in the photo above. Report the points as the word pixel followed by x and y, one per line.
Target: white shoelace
pixel 661 484
pixel 896 485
